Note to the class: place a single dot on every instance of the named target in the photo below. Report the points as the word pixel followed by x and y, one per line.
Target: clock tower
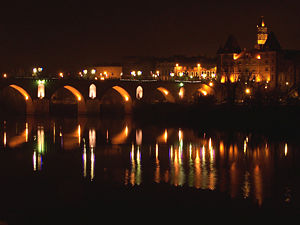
pixel 262 33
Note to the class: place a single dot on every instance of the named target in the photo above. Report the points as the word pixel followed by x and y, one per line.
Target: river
pixel 253 166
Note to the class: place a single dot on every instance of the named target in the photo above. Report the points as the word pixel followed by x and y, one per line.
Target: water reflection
pixel 240 164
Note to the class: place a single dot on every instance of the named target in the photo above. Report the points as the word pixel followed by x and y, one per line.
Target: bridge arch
pixel 206 90
pixel 110 96
pixel 167 94
pixel 27 98
pixel 79 99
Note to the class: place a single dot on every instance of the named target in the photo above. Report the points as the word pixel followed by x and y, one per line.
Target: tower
pixel 262 33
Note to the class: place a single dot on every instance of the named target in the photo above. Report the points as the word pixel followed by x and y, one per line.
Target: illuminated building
pixel 102 72
pixel 176 67
pixel 267 63
pixel 187 68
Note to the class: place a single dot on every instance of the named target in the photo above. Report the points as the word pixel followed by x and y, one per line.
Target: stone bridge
pixel 89 95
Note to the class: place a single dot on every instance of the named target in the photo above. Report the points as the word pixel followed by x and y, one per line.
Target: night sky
pixel 65 35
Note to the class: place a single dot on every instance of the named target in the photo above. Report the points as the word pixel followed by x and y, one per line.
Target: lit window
pixel 139 92
pixel 92 92
pixel 41 90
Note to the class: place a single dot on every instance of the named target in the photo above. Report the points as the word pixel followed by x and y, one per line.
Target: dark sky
pixel 68 34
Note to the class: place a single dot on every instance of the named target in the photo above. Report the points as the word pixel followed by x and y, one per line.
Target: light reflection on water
pixel 120 151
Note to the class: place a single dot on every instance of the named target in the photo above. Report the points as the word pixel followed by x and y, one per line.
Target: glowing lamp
pixel 247 91
pixel 204 92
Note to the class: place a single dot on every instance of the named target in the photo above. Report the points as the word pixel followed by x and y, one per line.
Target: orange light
pixel 122 92
pixel 235 56
pixel 61 75
pixel 21 90
pixel 5 75
pixel 211 84
pixel 75 92
pixel 258 57
pixel 204 92
pixel 223 79
pixel 247 91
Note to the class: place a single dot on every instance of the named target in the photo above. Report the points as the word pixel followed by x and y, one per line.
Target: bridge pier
pixel 41 106
pixel 92 106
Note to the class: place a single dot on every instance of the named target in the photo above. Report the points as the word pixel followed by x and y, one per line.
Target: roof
pixel 231 46
pixel 272 44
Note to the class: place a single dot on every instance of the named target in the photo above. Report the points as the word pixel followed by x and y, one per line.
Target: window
pixel 92 92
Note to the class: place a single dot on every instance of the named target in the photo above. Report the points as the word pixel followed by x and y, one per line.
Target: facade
pixel 267 63
pixel 102 72
pixel 186 68
pixel 171 68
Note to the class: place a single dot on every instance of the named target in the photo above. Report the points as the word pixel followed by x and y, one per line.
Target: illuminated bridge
pixel 90 95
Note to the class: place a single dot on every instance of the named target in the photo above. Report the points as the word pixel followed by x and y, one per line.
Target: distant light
pixel 211 84
pixel 93 71
pixel 177 64
pixel 5 75
pixel 235 56
pixel 139 73
pixel 133 73
pixel 34 70
pixel 204 92
pixel 181 84
pixel 166 92
pixel 258 57
pixel 285 149
pixel 198 64
pixel 286 83
pixel 85 71
pixel 247 91
pixel 181 92
pixel 40 69
pixel 172 74
pixel 61 74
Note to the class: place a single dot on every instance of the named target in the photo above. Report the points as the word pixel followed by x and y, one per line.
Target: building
pixel 267 63
pixel 186 68
pixel 170 68
pixel 102 72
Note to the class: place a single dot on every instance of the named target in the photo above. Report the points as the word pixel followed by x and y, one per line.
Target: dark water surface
pixel 85 167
